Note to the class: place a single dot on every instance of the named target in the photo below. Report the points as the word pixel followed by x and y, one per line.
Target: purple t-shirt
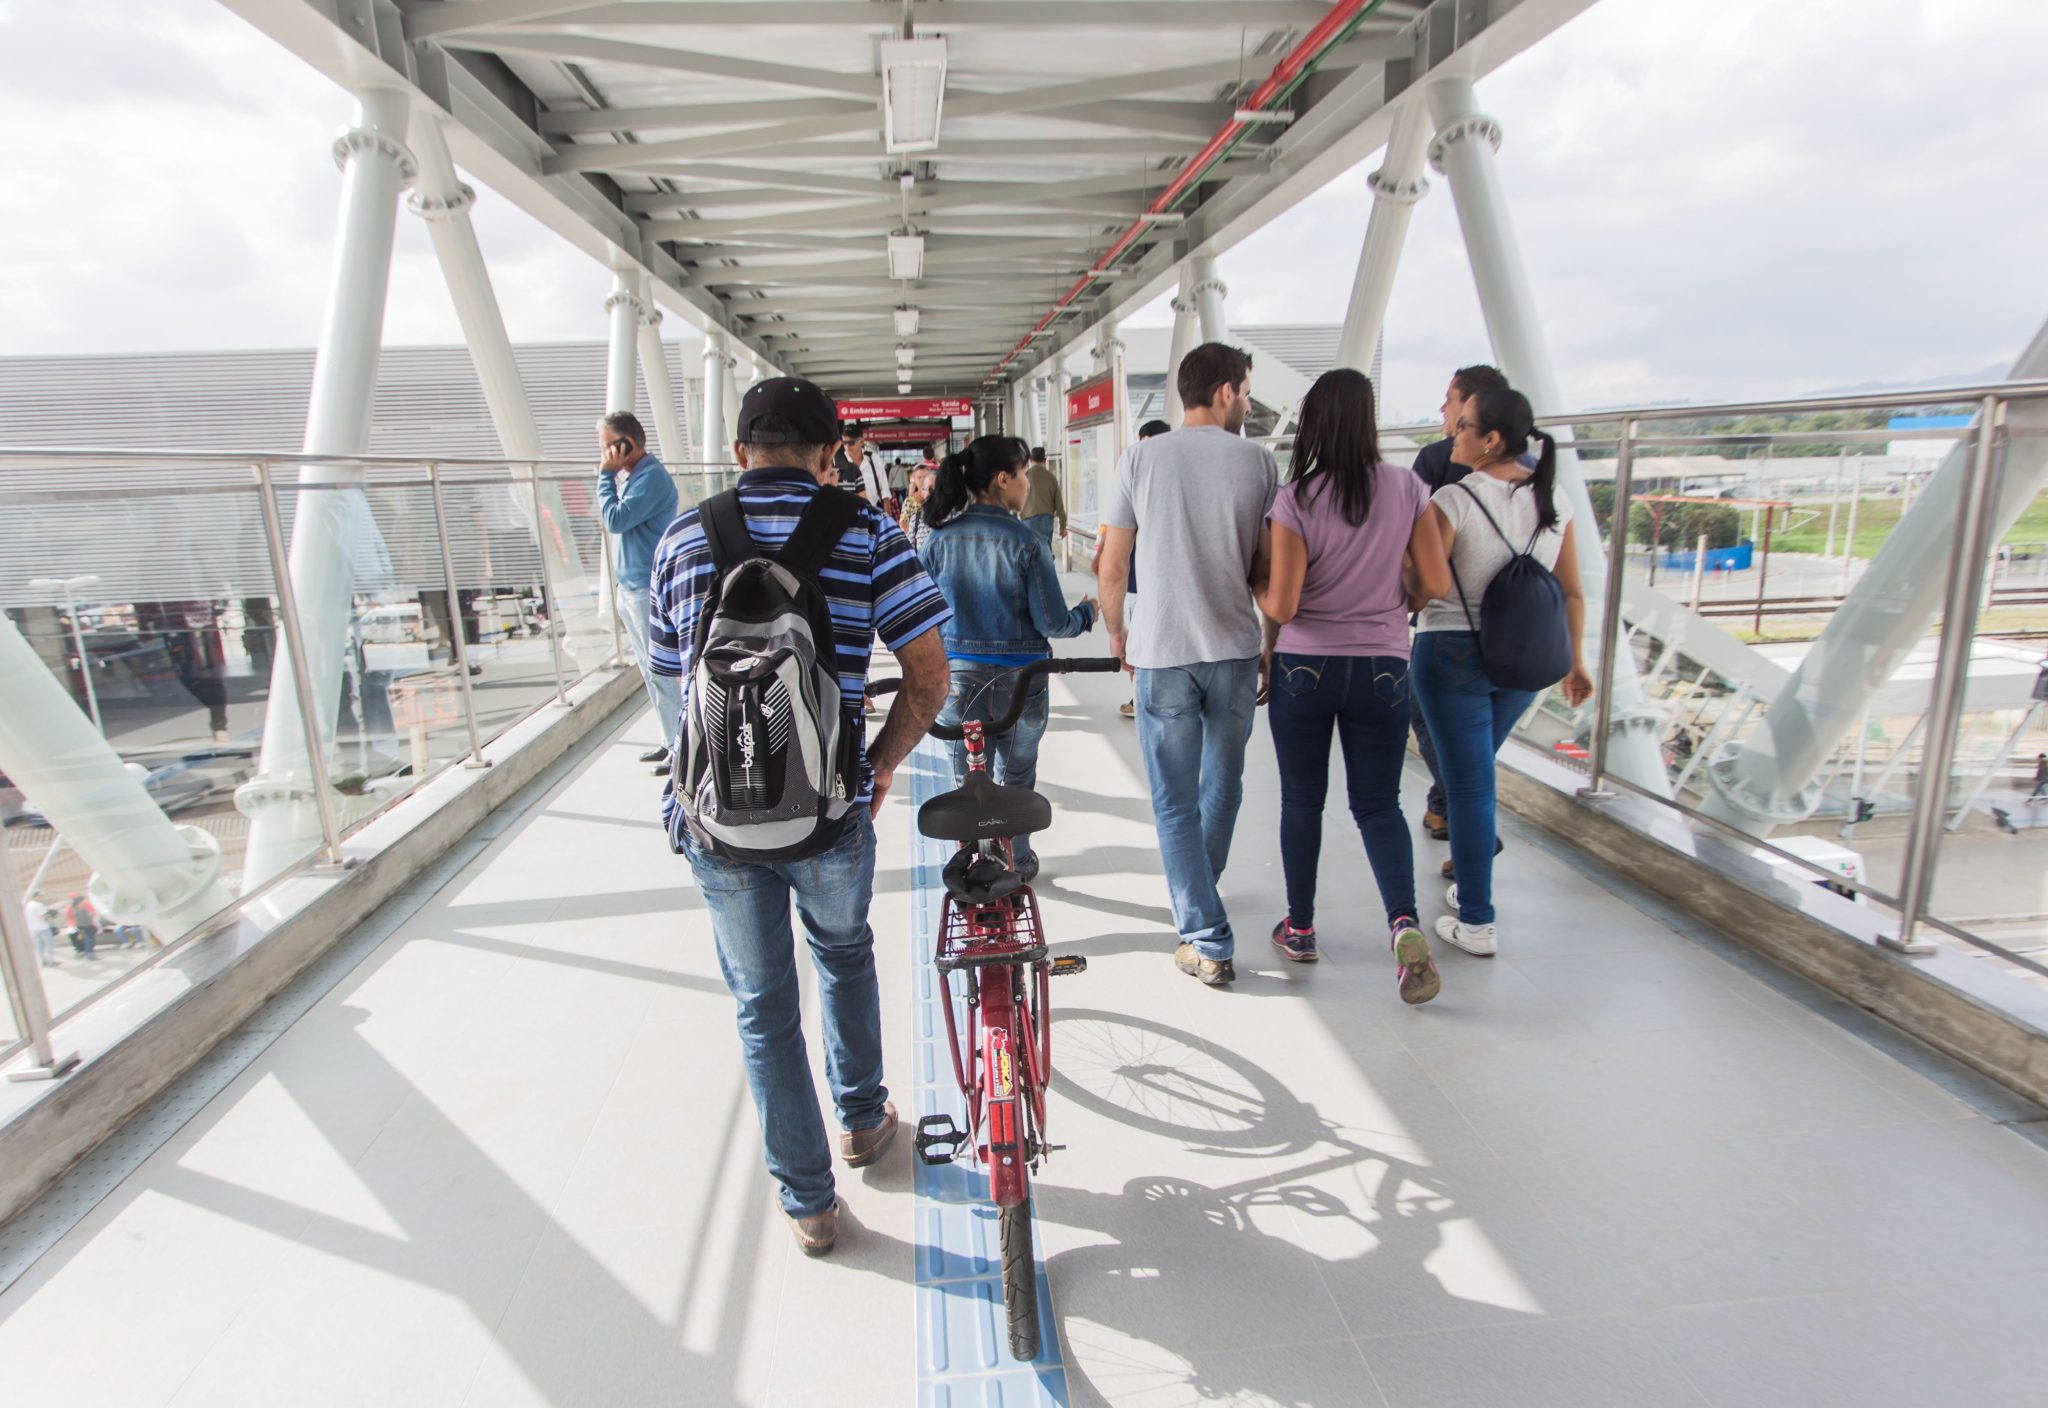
pixel 1351 600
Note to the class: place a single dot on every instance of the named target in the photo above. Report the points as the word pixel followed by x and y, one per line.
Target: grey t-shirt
pixel 1196 498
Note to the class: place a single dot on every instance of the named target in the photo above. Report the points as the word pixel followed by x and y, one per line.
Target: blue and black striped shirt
pixel 873 582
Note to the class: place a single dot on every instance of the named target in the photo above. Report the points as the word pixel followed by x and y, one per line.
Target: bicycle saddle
pixel 978 808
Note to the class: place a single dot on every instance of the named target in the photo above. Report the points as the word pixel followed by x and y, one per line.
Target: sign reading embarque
pixel 927 408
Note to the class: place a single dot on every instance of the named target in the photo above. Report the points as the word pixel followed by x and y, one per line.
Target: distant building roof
pixel 428 401
pixel 1929 422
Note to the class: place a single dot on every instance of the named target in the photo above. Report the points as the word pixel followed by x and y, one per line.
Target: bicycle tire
pixel 1020 1282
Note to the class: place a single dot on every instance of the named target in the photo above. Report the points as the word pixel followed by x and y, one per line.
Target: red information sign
pixel 925 433
pixel 927 408
pixel 1092 400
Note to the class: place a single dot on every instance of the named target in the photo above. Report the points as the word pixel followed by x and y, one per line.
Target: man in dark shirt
pixel 1434 467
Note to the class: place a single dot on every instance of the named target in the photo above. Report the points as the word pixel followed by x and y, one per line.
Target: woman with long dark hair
pixel 1343 528
pixel 998 576
pixel 1500 511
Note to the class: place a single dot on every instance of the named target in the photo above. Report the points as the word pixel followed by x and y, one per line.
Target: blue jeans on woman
pixel 983 692
pixel 1469 718
pixel 749 907
pixel 1363 699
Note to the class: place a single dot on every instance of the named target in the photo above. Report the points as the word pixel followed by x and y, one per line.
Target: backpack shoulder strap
pixel 818 530
pixel 725 531
pixel 1486 513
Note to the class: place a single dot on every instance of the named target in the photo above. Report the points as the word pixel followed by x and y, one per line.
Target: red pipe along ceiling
pixel 1328 31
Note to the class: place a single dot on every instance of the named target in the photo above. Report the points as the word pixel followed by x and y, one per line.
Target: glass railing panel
pixel 1990 866
pixel 574 538
pixel 499 603
pixel 146 593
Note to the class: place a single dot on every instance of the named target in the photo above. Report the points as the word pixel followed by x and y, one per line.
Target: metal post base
pixel 1596 794
pixel 62 1066
pixel 1914 947
pixel 474 764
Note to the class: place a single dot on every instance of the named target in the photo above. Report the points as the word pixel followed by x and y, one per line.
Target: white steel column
pixel 717 438
pixel 1209 293
pixel 1396 187
pixel 330 509
pixel 442 199
pixel 147 870
pixel 731 389
pixel 1463 151
pixel 621 380
pixel 661 395
pixel 1181 343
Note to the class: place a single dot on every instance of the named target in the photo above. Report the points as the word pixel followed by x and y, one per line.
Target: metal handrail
pixel 31 456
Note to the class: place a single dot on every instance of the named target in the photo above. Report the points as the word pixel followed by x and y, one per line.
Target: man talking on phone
pixel 636 499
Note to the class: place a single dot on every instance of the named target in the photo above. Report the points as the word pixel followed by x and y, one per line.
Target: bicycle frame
pixel 1004 1062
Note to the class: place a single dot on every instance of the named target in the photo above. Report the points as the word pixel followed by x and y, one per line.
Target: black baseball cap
pixel 812 417
pixel 852 430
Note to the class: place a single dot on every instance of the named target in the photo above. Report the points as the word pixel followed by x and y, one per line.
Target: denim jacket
pixel 998 577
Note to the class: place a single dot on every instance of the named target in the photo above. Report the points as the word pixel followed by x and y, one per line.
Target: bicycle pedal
pixel 938 1140
pixel 1069 963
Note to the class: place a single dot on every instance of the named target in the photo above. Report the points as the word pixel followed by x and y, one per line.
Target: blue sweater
pixel 636 518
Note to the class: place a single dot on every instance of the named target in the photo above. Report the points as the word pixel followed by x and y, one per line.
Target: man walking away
pixel 42 927
pixel 874 585
pixel 1129 708
pixel 1434 467
pixel 1043 500
pixel 637 501
pixel 1199 495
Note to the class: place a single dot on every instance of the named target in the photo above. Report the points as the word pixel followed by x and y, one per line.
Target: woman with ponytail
pixel 1504 509
pixel 1336 612
pixel 998 577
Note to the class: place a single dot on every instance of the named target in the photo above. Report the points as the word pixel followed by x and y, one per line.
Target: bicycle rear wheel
pixel 1020 1282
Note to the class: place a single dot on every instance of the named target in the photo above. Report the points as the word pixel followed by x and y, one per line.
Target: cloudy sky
pixel 1716 198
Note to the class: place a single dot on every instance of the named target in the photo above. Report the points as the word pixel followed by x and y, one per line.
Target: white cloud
pixel 1714 198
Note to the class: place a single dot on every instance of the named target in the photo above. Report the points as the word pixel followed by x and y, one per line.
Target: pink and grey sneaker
pixel 1295 945
pixel 1414 968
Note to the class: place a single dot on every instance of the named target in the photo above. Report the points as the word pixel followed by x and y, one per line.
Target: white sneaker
pixel 1479 940
pixel 1451 897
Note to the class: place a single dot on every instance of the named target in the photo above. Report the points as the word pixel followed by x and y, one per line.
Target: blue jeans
pixel 749 907
pixel 983 692
pixel 1469 718
pixel 1042 525
pixel 1363 699
pixel 1193 723
pixel 664 692
pixel 1427 748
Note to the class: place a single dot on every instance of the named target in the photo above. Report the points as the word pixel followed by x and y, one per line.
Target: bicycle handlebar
pixel 1019 694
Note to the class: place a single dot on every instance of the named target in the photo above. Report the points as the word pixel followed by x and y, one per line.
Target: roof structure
pixel 757 157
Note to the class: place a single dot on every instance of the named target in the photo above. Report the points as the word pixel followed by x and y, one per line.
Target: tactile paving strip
pixel 963 1353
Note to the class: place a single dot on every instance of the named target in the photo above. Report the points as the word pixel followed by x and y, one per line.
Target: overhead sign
pixel 925 433
pixel 1092 401
pixel 929 408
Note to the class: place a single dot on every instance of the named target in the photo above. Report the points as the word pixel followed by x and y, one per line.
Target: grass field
pixel 1875 520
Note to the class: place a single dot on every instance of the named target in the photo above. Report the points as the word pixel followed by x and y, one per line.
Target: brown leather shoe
pixel 1437 825
pixel 862 1147
pixel 1213 972
pixel 816 1234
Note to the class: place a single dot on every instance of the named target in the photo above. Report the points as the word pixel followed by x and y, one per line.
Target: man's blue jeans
pixel 1363 699
pixel 749 907
pixel 983 692
pixel 1193 723
pixel 1427 748
pixel 1469 718
pixel 1042 524
pixel 664 692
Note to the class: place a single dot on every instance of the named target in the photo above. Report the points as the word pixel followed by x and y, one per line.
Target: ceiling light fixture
pixel 906 256
pixel 1162 217
pixel 905 356
pixel 906 322
pixel 1262 115
pixel 913 88
pixel 902 388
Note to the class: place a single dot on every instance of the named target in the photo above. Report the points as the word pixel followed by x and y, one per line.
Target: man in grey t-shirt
pixel 1200 494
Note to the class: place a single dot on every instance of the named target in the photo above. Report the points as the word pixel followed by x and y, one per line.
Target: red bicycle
pixel 992 938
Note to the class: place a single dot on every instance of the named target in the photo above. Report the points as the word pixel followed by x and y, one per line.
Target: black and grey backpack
pixel 768 753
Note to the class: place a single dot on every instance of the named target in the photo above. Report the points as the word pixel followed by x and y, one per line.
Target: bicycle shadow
pixel 1183 1291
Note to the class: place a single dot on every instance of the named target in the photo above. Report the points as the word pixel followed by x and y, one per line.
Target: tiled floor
pixel 511 1160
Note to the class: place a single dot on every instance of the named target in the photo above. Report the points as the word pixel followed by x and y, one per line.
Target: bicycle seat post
pixel 977 759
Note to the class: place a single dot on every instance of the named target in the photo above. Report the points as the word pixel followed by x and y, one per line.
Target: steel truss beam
pixel 424 22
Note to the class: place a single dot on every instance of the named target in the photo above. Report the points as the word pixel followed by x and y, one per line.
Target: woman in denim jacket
pixel 998 577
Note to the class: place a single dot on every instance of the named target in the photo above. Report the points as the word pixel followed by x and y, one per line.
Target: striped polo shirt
pixel 873 583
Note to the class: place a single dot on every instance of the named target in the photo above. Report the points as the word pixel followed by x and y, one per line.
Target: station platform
pixel 508 1158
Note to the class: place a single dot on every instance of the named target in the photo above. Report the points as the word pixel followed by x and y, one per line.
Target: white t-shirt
pixel 1478 552
pixel 39 920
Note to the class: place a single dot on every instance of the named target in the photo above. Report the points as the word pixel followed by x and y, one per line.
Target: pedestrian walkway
pixel 510 1159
